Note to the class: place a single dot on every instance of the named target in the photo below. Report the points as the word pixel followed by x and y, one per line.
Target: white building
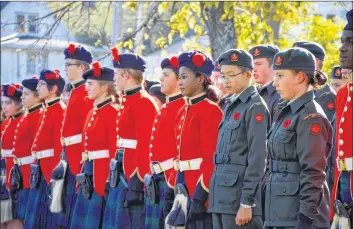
pixel 24 51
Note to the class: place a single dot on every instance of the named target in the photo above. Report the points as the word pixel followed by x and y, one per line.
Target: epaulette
pixel 313 115
pixel 256 104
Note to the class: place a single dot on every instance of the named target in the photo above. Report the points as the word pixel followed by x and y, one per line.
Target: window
pixel 31 63
pixel 32 25
pixel 26 23
pixel 20 23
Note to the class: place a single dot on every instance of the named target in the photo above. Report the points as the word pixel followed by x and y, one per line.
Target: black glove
pixel 168 196
pixel 197 209
pixel 303 222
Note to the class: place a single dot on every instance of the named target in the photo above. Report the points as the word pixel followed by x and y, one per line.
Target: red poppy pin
pixel 330 105
pixel 259 117
pixel 286 123
pixel 315 128
pixel 278 60
pixel 11 90
pixel 234 57
pixel 236 115
pixel 256 52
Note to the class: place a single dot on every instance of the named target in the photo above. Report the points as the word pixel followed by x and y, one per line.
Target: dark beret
pixel 171 63
pixel 316 49
pixel 236 57
pixel 97 72
pixel 53 78
pixel 78 52
pixel 155 90
pixel 264 51
pixel 197 61
pixel 349 25
pixel 31 83
pixel 127 60
pixel 12 91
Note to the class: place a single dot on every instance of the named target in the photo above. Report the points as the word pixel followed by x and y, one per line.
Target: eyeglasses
pixel 68 65
pixel 230 76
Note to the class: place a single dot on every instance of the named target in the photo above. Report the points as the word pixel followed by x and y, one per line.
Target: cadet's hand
pixel 244 215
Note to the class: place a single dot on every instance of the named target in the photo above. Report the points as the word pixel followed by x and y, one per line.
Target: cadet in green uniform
pixel 239 161
pixel 298 144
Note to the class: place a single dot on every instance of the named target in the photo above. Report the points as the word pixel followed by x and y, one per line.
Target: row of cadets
pixel 99 137
pixel 13 110
pixel 161 183
pixel 125 202
pixel 239 160
pixel 77 60
pixel 45 150
pixel 196 129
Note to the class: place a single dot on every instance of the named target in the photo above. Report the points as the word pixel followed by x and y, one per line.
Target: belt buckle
pixel 160 167
pixel 342 165
pixel 176 165
pixel 62 141
pixel 189 165
pixel 85 154
pixel 34 155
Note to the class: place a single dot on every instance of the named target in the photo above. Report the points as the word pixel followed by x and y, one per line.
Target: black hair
pixel 213 93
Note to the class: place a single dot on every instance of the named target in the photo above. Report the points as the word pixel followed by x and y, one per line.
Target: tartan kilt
pixel 132 217
pixel 37 213
pixel 109 215
pixel 154 218
pixel 205 223
pixel 21 204
pixel 63 219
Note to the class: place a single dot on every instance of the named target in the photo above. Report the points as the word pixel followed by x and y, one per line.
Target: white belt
pixel 24 160
pixel 193 164
pixel 345 165
pixel 7 153
pixel 72 140
pixel 162 166
pixel 127 143
pixel 98 154
pixel 43 154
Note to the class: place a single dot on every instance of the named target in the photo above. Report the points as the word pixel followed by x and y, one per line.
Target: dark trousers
pixel 227 221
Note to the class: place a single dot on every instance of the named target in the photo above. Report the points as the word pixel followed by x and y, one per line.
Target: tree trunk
pixel 221 34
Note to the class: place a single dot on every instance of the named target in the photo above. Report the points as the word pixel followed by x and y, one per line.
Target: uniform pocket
pixel 284 200
pixel 227 191
pixel 232 128
pixel 284 144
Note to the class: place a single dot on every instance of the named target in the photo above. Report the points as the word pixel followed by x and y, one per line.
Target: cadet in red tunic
pixel 163 149
pixel 45 150
pixel 22 143
pixel 99 137
pixel 196 131
pixel 77 60
pixel 125 208
pixel 12 108
pixel 342 194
